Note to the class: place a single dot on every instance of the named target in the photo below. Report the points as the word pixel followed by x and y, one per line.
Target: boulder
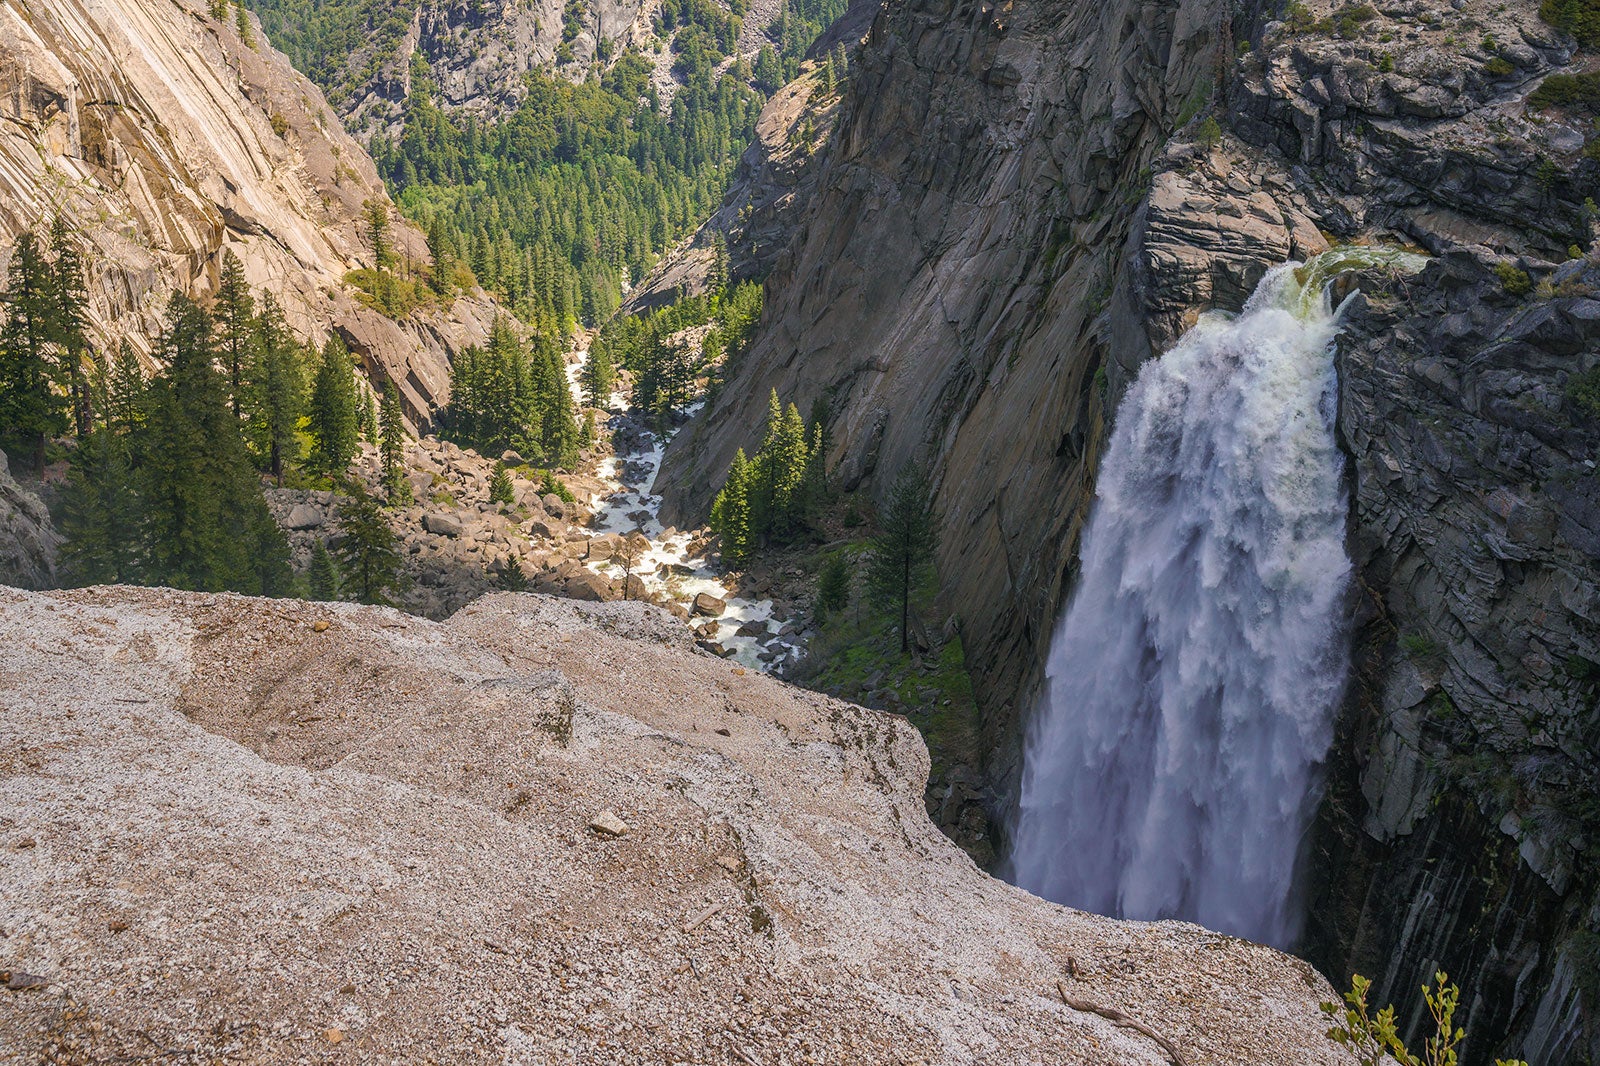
pixel 305 516
pixel 443 525
pixel 605 546
pixel 755 628
pixel 590 586
pixel 708 605
pixel 554 505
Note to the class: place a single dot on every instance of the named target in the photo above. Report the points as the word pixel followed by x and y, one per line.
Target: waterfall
pixel 1172 767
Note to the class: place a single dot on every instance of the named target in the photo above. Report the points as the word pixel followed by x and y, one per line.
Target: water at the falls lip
pixel 1174 762
pixel 616 514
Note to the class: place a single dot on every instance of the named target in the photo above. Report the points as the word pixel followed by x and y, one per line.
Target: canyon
pixel 974 250
pixel 1020 206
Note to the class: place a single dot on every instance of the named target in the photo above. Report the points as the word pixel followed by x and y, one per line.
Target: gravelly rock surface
pixel 225 834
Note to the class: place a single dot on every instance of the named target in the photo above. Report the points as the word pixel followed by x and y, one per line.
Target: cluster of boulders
pixel 457 544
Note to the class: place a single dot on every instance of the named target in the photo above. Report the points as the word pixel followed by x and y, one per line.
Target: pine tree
pixel 31 412
pixel 513 578
pixel 333 424
pixel 500 488
pixel 324 574
pixel 902 552
pixel 122 407
pixel 204 523
pixel 731 513
pixel 368 416
pixel 275 390
pixel 68 322
pixel 391 449
pixel 719 263
pixel 100 511
pixel 598 377
pixel 367 550
pixel 234 313
pixel 379 234
pixel 777 500
pixel 833 586
pixel 561 435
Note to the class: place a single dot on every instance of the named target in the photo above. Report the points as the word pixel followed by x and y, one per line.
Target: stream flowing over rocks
pixel 671 562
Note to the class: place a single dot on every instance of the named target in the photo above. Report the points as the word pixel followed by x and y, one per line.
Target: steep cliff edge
pixel 543 832
pixel 164 137
pixel 951 289
pixel 1022 203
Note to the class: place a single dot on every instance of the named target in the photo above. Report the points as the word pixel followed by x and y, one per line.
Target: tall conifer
pixel 335 430
pixel 392 444
pixel 275 391
pixel 204 523
pixel 902 553
pixel 234 313
pixel 69 322
pixel 31 412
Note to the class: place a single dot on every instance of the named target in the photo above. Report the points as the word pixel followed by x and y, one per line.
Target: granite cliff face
pixel 165 138
pixel 542 832
pixel 1022 203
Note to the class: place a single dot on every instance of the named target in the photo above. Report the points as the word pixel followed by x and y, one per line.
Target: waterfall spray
pixel 1172 767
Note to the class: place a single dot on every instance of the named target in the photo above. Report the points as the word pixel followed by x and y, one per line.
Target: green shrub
pixel 551 484
pixel 1209 132
pixel 1418 646
pixel 1375 1039
pixel 1581 91
pixel 1581 18
pixel 1499 67
pixel 1348 20
pixel 1515 282
pixel 1386 64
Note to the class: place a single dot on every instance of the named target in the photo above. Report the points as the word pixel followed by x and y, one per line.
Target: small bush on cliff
pixel 1515 282
pixel 1375 1039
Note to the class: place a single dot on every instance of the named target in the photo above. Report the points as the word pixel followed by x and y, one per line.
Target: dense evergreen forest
pixel 561 205
pixel 165 473
pixel 671 351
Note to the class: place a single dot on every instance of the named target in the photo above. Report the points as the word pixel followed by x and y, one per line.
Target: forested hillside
pixel 566 200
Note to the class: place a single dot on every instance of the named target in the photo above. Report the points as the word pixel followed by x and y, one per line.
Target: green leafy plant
pixel 1374 1038
pixel 1581 91
pixel 1515 282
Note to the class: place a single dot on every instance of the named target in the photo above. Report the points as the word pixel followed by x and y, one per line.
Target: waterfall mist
pixel 1173 765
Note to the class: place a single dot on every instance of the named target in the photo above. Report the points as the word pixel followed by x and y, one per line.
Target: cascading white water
pixel 1172 767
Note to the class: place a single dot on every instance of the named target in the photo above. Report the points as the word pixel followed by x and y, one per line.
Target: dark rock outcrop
pixel 28 541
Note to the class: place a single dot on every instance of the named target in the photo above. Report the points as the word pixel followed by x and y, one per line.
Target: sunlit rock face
pixel 165 138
